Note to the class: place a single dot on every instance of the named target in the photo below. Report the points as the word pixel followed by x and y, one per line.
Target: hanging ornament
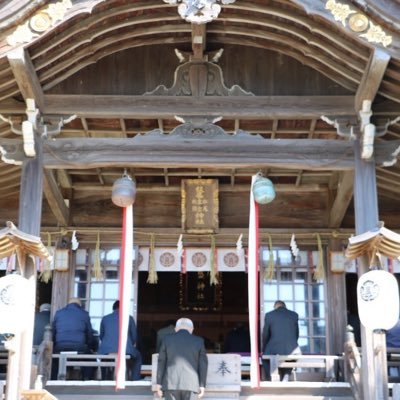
pixel 48 265
pixel 152 277
pixel 239 244
pixel 293 246
pixel 124 191
pixel 263 190
pixel 319 273
pixel 179 246
pixel 97 263
pixel 74 241
pixel 269 271
pixel 213 264
pixel 378 299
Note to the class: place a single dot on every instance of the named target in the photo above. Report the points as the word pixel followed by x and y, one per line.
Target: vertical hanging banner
pixel 124 293
pixel 253 261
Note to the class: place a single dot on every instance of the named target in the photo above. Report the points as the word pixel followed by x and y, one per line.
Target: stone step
pixel 105 390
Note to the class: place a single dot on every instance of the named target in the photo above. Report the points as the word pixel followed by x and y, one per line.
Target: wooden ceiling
pixel 99 59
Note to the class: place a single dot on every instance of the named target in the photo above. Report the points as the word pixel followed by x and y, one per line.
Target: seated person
pixel 42 318
pixel 109 335
pixel 237 340
pixel 72 331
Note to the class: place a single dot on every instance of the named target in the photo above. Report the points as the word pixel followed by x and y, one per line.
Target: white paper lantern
pixel 378 300
pixel 14 303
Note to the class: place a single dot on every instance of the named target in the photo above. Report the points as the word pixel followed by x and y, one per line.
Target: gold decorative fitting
pixel 40 22
pixel 339 11
pixel 358 22
pixel 375 34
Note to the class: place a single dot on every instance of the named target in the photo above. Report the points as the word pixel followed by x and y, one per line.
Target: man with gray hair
pixel 182 364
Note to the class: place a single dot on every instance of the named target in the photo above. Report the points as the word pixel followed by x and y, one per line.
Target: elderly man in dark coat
pixel 182 364
pixel 280 335
pixel 72 331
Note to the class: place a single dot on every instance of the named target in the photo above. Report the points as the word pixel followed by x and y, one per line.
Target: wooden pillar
pixel 30 214
pixel 336 283
pixel 366 218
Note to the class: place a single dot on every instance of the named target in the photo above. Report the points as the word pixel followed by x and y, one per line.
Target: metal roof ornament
pixel 199 11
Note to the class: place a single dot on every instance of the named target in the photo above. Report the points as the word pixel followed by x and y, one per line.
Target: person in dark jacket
pixel 42 319
pixel 109 337
pixel 72 331
pixel 237 340
pixel 182 364
pixel 280 336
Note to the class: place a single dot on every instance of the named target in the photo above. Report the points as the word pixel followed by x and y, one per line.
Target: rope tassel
pixel 319 273
pixel 97 264
pixel 152 277
pixel 269 271
pixel 213 264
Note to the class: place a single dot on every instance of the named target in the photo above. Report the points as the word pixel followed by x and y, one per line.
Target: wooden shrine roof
pixel 300 59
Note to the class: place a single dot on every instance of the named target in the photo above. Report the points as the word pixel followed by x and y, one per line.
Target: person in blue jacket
pixel 72 331
pixel 109 336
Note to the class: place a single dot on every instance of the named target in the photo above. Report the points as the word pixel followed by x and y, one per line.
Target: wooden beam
pixel 154 152
pixel 385 108
pixel 149 188
pixel 372 77
pixel 25 75
pixel 55 199
pixel 242 107
pixel 157 151
pixel 342 200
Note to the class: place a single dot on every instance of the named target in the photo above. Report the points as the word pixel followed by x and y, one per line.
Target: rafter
pixel 372 77
pixel 55 199
pixel 25 75
pixel 342 200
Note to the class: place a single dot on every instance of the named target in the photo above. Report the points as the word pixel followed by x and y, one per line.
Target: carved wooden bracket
pixel 345 126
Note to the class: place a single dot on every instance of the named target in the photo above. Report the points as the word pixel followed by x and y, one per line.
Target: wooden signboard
pixel 200 205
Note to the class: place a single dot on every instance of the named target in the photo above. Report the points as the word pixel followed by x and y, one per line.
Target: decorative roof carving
pixel 197 130
pixel 199 78
pixel 199 11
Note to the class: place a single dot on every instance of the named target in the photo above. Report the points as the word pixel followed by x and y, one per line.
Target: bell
pixel 263 190
pixel 123 191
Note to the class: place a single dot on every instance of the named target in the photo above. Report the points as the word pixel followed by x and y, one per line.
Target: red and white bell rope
pixel 253 288
pixel 124 293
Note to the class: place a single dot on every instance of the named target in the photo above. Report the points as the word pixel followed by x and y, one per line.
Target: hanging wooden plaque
pixel 200 205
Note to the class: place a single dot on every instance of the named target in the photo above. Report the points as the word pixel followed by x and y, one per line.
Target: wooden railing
pixel 71 359
pixel 325 363
pixel 352 364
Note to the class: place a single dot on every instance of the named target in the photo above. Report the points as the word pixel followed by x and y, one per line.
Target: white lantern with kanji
pixel 378 300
